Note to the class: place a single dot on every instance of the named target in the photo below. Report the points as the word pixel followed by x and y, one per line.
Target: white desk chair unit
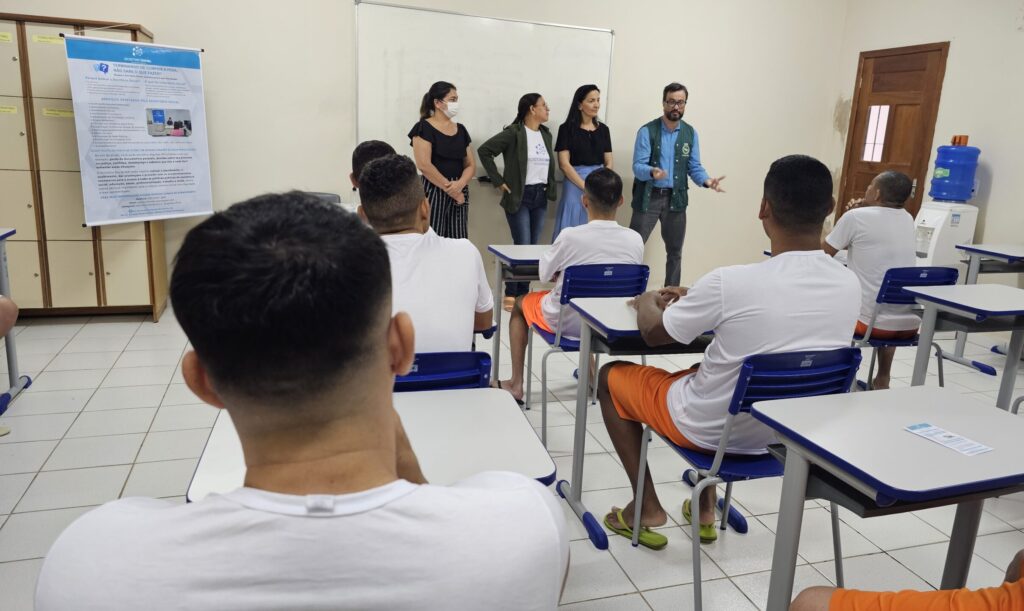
pixel 891 293
pixel 595 280
pixel 767 377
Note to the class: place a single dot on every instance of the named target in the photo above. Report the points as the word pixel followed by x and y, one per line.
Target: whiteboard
pixel 401 51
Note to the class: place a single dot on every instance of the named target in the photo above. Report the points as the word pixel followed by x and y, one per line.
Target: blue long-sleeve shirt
pixel 642 157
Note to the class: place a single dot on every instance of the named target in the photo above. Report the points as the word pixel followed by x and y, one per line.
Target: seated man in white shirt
pixel 439 282
pixel 363 154
pixel 800 299
pixel 600 240
pixel 286 302
pixel 879 234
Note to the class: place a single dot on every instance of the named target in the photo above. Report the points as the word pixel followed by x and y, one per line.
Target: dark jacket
pixel 510 143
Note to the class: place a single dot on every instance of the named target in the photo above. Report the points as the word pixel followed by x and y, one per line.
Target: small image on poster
pixel 140 120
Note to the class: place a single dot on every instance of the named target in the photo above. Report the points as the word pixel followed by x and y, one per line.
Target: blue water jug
pixel 953 178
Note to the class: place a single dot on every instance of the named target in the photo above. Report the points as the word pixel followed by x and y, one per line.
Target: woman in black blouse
pixel 584 144
pixel 441 149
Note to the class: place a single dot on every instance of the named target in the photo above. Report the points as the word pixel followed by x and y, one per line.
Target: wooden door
pixel 126 274
pixel 24 271
pixel 893 118
pixel 72 268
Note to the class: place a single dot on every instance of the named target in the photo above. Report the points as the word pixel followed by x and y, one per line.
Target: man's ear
pixel 198 380
pixel 352 177
pixel 766 209
pixel 585 200
pixel 401 343
pixel 424 209
pixel 831 206
pixel 621 201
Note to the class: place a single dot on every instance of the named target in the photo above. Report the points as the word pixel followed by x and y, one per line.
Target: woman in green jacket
pixel 528 182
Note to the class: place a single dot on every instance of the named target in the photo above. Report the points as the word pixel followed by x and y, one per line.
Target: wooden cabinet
pixel 25 273
pixel 57 265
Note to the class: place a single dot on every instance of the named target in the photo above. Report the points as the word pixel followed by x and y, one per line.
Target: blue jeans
pixel 526 225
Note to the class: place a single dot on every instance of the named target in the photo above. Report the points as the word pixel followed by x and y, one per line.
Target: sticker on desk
pixel 953 441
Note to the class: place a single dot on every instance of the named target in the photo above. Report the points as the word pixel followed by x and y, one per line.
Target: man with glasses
pixel 665 153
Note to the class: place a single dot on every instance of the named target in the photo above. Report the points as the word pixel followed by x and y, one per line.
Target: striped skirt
pixel 447 218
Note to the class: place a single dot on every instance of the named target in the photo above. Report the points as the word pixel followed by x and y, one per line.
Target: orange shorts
pixel 1008 596
pixel 883 333
pixel 640 394
pixel 532 310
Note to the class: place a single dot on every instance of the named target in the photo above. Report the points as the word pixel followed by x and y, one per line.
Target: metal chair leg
pixel 544 397
pixel 871 369
pixel 638 498
pixel 643 360
pixel 938 358
pixel 529 368
pixel 695 536
pixel 593 378
pixel 837 545
pixel 1016 404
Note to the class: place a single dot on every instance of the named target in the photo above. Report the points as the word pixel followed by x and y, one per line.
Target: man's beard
pixel 673 115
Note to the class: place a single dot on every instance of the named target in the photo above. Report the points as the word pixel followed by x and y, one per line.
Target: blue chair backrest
pixel 895 279
pixel 601 280
pixel 446 371
pixel 790 375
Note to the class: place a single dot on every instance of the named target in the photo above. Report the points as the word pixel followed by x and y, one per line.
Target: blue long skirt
pixel 570 209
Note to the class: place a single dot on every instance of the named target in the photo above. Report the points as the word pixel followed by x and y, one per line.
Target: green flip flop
pixel 648 538
pixel 708 532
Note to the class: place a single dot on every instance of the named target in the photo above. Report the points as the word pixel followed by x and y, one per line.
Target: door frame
pixel 931 105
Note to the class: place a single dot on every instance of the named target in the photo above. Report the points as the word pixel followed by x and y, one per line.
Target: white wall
pixel 982 91
pixel 280 94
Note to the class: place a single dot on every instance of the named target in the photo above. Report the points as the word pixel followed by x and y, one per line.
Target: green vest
pixel 680 165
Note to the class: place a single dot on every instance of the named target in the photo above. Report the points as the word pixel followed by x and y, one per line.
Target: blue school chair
pixel 891 293
pixel 446 371
pixel 762 378
pixel 595 280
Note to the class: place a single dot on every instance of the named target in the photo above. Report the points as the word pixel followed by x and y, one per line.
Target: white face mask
pixel 451 109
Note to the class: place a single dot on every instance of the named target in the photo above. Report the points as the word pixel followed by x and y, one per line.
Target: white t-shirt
pixel 492 541
pixel 799 300
pixel 878 238
pixel 441 284
pixel 595 242
pixel 537 158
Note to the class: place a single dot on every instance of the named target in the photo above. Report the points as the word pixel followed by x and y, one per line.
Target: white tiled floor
pixel 108 416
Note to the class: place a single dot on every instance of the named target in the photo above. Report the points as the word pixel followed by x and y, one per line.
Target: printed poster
pixel 141 126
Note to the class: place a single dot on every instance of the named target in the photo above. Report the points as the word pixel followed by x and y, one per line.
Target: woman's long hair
pixel 437 91
pixel 575 116
pixel 525 104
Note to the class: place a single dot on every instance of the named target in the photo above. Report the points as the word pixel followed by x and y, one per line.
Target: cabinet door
pixel 47 62
pixel 62 206
pixel 23 270
pixel 126 272
pixel 10 60
pixel 16 207
pixel 13 134
pixel 72 274
pixel 123 231
pixel 55 130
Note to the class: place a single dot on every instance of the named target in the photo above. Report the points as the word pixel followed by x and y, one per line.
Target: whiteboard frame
pixel 355 38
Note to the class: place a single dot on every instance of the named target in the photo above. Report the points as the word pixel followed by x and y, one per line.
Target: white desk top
pixel 998 251
pixel 519 254
pixel 609 315
pixel 6 232
pixel 984 299
pixel 864 432
pixel 454 433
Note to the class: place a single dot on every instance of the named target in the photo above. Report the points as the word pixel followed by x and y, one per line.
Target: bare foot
pixel 651 519
pixel 515 391
pixel 508 303
pixel 880 383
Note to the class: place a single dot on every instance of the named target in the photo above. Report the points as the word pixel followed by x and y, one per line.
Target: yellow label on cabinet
pixel 47 39
pixel 6 37
pixel 58 112
pixel 8 110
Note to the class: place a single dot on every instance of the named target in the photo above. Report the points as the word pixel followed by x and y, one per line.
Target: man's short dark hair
pixel 799 189
pixel 604 189
pixel 894 187
pixel 390 191
pixel 281 295
pixel 367 152
pixel 672 88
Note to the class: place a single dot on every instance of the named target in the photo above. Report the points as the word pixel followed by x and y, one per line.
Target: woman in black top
pixel 441 149
pixel 584 144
